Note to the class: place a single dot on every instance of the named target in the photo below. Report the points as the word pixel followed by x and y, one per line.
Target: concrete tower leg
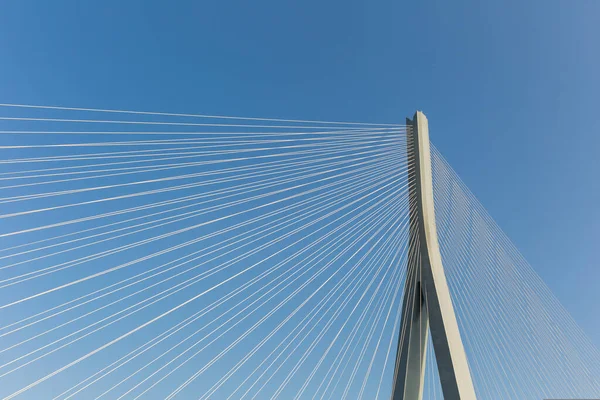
pixel 427 299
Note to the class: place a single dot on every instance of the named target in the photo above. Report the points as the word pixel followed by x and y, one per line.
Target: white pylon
pixel 427 306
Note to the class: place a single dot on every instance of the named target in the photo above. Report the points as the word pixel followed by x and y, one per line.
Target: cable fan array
pixel 199 256
pixel 520 341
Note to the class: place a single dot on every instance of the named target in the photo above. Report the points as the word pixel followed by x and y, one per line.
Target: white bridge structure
pixel 149 255
pixel 427 301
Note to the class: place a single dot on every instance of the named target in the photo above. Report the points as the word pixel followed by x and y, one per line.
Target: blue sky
pixel 510 89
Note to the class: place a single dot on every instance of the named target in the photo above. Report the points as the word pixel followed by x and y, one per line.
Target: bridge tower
pixel 427 305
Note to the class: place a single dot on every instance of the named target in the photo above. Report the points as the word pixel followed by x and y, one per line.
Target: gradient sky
pixel 511 90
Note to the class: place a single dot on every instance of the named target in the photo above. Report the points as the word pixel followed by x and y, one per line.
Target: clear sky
pixel 511 90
